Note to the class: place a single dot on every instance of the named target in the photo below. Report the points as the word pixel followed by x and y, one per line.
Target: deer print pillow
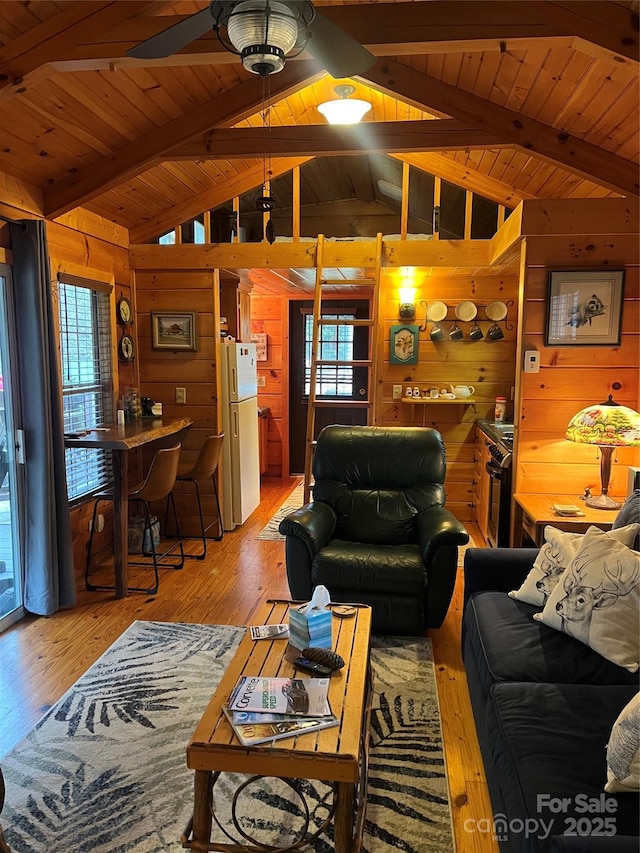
pixel 623 750
pixel 597 599
pixel 554 556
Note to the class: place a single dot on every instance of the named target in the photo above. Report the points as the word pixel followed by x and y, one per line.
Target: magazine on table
pixel 306 697
pixel 252 727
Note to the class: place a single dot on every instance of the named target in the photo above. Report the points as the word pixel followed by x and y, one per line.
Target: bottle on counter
pixel 409 391
pixel 500 410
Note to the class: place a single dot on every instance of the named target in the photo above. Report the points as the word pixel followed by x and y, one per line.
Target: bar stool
pixel 157 485
pixel 204 467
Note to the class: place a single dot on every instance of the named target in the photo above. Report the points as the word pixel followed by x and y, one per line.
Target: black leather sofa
pixel 544 705
pixel 377 531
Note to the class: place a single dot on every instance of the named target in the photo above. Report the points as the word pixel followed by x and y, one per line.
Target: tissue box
pixel 310 629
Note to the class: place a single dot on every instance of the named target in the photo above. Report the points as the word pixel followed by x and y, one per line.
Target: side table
pixel 533 512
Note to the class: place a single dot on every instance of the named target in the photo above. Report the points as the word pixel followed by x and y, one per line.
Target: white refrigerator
pixel 240 449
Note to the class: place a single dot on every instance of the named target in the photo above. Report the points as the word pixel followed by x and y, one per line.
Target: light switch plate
pixel 532 361
pixel 397 392
pixel 181 395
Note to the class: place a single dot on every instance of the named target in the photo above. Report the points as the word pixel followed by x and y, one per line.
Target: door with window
pixel 11 450
pixel 335 382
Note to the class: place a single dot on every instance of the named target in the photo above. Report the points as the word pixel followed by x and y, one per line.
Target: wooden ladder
pixel 370 362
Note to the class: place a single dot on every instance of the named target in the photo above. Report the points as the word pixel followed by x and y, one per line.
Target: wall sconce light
pixel 407 308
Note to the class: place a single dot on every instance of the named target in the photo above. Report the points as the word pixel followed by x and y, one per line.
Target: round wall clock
pixel 125 314
pixel 125 348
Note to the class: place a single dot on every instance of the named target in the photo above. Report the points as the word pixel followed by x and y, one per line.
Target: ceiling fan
pixel 262 33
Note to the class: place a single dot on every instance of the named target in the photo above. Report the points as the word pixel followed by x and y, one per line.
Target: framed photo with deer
pixel 174 330
pixel 584 308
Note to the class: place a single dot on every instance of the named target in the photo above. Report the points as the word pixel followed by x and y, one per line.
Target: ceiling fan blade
pixel 174 38
pixel 341 55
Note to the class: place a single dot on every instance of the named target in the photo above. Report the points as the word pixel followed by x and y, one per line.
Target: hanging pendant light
pixel 345 110
pixel 262 32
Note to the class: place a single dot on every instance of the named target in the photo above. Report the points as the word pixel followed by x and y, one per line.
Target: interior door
pixel 340 383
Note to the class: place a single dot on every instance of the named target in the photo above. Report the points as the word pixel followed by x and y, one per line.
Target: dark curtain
pixel 49 581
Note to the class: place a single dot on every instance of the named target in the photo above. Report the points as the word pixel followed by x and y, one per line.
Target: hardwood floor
pixel 42 657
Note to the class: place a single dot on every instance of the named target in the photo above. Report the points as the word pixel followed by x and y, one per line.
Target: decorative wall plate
pixel 436 311
pixel 125 314
pixel 125 348
pixel 466 311
pixel 496 310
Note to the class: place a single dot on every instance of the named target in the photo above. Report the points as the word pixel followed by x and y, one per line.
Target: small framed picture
pixel 260 340
pixel 403 344
pixel 174 330
pixel 584 308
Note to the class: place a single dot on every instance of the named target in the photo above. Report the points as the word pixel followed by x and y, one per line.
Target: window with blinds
pixel 335 344
pixel 87 377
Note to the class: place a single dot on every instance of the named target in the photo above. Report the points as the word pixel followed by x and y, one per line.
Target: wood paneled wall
pixel 268 315
pixel 487 365
pixel 576 235
pixel 162 371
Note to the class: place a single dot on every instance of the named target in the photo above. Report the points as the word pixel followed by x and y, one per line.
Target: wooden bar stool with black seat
pixel 204 467
pixel 157 485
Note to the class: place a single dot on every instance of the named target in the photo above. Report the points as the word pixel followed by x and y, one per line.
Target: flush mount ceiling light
pixel 262 32
pixel 345 110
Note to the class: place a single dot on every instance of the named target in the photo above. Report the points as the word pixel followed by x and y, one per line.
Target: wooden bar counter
pixel 120 440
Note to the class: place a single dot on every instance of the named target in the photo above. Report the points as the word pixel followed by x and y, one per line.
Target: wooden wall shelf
pixel 419 401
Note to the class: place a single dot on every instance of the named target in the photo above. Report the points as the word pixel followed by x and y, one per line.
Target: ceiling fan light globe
pixel 262 34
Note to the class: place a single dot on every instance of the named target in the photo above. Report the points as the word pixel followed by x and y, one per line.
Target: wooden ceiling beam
pixel 611 27
pixel 323 140
pixel 463 176
pixel 548 143
pixel 211 198
pixel 130 160
pixel 25 60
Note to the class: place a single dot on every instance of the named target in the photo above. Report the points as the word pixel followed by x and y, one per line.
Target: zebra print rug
pixel 104 770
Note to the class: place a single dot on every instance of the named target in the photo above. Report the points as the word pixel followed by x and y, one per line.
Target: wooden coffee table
pixel 337 755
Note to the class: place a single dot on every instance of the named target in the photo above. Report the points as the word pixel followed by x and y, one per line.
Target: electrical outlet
pixel 532 361
pixel 181 395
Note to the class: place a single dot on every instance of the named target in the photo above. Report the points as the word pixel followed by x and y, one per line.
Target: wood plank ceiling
pixel 514 100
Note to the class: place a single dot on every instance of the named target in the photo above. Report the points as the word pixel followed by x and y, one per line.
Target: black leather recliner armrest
pixel 501 569
pixel 437 527
pixel 313 523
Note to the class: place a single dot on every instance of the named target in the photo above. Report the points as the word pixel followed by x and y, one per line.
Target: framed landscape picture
pixel 174 330
pixel 403 344
pixel 584 308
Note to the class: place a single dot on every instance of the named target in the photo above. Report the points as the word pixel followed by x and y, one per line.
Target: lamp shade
pixel 344 110
pixel 605 424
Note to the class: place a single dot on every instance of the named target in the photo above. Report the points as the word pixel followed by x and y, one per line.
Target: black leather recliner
pixel 377 531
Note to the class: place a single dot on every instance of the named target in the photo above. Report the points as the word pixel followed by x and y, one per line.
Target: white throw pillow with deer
pixel 555 556
pixel 623 750
pixel 597 600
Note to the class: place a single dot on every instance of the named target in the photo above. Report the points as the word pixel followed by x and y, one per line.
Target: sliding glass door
pixel 11 455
